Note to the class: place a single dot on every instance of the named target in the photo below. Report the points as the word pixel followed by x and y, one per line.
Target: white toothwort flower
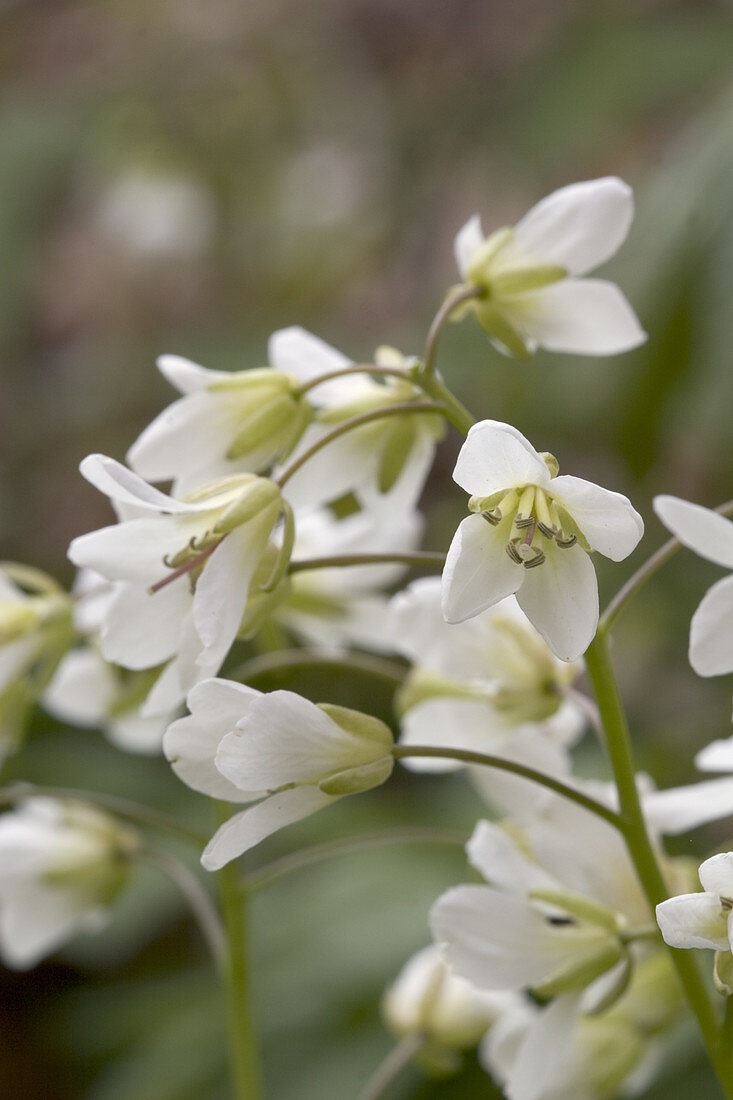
pixel 702 919
pixel 61 866
pixel 428 999
pixel 528 275
pixel 219 534
pixel 711 536
pixel 530 534
pixel 294 756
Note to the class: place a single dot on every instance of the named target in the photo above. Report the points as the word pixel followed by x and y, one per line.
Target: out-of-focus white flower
pixel 61 865
pixel 297 757
pixel 383 463
pixel 530 534
pixel 702 919
pixel 449 1014
pixel 216 537
pixel 531 295
pixel 335 608
pixel 154 215
pixel 711 536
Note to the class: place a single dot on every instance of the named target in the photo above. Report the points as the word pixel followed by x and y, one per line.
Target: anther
pixel 494 518
pixel 536 560
pixel 566 543
pixel 513 553
pixel 520 522
pixel 548 532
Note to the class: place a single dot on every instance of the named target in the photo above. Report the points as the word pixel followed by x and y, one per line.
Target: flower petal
pixel 190 744
pixel 698 528
pixel 186 376
pixel 187 435
pixel 133 550
pixel 297 352
pixel 694 920
pixel 140 630
pixel 545 1060
pixel 286 738
pixel 82 690
pixel 450 723
pixel 560 598
pixel 497 457
pixel 581 316
pixel 117 482
pixel 478 572
pixel 578 227
pixel 716 874
pixel 711 631
pixel 680 809
pixel 467 242
pixel 716 757
pixel 242 831
pixel 608 520
pixel 502 863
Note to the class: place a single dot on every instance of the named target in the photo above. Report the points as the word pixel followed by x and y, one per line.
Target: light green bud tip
pixel 375 736
pixel 550 462
pixel 256 496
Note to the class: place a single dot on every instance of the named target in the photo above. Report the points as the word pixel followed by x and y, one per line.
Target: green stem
pixel 639 845
pixel 391 1067
pixel 317 853
pixel 400 408
pixel 455 298
pixel 364 368
pixel 243 1054
pixel 121 807
pixel 289 660
pixel 645 572
pixel 421 559
pixel 502 764
pixel 453 410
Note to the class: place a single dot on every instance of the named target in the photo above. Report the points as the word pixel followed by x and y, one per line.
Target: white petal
pixel 245 829
pixel 699 529
pixel 186 669
pixel 716 757
pixel 498 941
pixel 510 795
pixel 693 920
pixel 134 550
pixel 544 1059
pixel 560 598
pixel 503 864
pixel 37 922
pixel 117 482
pixel 299 353
pixel 286 738
pixel 190 744
pixel 680 809
pixel 716 874
pixel 186 376
pixel 450 723
pixel 608 520
pixel 346 464
pixel 578 227
pixel 581 316
pixel 478 571
pixel 141 630
pixel 185 436
pixel 468 240
pixel 495 457
pixel 133 732
pixel 82 690
pixel 711 631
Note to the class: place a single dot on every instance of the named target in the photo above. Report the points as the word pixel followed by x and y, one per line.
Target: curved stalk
pixel 317 853
pixel 121 807
pixel 641 850
pixel 455 298
pixel 421 559
pixel 200 903
pixel 356 368
pixel 243 1053
pixel 645 572
pixel 294 659
pixel 391 1067
pixel 400 408
pixel 499 762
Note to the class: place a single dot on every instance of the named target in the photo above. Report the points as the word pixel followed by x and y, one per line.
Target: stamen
pixel 493 517
pixel 520 522
pixel 524 516
pixel 169 561
pixel 513 553
pixel 548 532
pixel 544 516
pixel 566 541
pixel 538 559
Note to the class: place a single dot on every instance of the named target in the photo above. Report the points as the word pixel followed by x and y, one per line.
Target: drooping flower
pixel 293 756
pixel 61 866
pixel 206 549
pixel 711 536
pixel 531 294
pixel 705 919
pixel 530 534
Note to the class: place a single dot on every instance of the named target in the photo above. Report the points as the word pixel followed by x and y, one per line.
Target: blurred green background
pixel 187 176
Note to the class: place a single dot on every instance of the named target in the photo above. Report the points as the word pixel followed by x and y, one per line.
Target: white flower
pixel 711 536
pixel 530 534
pixel 532 296
pixel 219 534
pixel 239 745
pixel 61 865
pixel 702 919
pixel 428 999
